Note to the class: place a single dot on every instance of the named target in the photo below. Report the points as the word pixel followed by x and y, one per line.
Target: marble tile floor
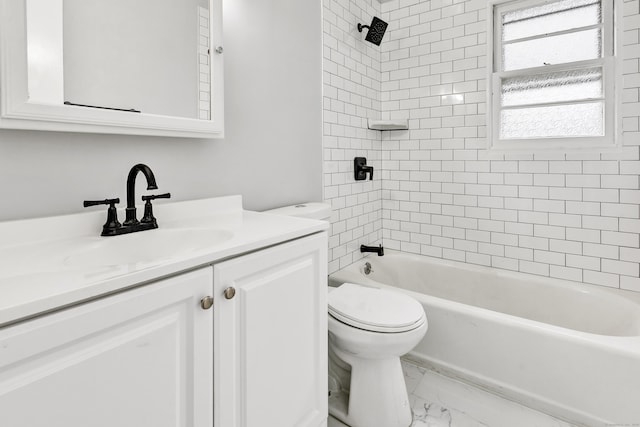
pixel 439 401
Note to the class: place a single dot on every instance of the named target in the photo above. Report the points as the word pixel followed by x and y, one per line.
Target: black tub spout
pixel 375 249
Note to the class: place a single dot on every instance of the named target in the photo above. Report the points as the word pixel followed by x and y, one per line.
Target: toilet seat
pixel 375 310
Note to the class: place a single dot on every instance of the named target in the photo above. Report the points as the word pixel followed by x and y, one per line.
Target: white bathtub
pixel 567 349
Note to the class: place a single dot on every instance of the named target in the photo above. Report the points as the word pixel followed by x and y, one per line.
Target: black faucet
pixel 378 250
pixel 130 211
pixel 131 224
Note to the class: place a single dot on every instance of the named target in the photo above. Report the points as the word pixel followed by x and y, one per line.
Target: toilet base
pixel 376 396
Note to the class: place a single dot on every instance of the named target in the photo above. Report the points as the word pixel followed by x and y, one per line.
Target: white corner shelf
pixel 388 124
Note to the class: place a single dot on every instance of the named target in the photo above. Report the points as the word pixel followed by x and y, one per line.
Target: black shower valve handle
pixel 361 169
pixel 369 170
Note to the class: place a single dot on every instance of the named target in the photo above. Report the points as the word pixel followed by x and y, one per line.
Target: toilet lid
pixel 373 309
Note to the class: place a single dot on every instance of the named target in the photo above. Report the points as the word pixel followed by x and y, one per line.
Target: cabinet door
pixel 270 338
pixel 139 358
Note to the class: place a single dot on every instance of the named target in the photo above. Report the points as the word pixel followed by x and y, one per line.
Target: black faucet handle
pixel 148 217
pixel 110 202
pixel 109 228
pixel 156 196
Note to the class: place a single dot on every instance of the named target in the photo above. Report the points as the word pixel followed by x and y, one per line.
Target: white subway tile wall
pixel 351 95
pixel 570 215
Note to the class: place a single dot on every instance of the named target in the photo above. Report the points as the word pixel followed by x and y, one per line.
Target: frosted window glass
pixel 578 46
pixel 577 120
pixel 571 85
pixel 549 18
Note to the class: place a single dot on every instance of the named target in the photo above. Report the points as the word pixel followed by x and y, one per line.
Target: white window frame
pixel 612 80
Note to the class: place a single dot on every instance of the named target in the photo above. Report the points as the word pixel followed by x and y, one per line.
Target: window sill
pixel 555 148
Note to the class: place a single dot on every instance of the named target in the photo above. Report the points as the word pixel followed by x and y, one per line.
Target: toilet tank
pixel 313 210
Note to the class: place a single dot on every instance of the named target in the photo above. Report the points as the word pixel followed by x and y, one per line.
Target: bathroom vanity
pixel 217 318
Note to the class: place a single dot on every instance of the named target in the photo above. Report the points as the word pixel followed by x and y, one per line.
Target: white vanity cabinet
pixel 158 355
pixel 270 337
pixel 138 358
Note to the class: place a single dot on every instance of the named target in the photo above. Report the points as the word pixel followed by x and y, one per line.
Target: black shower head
pixel 376 30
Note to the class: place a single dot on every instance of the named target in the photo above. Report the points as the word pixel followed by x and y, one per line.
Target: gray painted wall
pixel 272 152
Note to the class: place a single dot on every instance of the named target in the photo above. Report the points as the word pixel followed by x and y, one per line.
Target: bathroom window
pixel 553 79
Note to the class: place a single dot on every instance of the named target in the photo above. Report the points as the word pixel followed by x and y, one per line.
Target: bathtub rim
pixel 501 272
pixel 625 344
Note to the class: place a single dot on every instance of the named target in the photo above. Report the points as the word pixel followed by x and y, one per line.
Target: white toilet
pixel 369 329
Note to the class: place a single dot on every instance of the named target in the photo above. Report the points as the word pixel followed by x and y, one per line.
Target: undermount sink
pixel 144 247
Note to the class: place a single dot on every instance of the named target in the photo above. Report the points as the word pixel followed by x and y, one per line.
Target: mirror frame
pixel 16 112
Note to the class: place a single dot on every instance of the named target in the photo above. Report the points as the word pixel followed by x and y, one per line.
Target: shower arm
pixel 361 27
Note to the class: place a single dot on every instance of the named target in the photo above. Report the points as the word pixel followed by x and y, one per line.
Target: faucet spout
pixel 130 211
pixel 378 250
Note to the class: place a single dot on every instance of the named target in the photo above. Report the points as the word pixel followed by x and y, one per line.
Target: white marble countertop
pixel 49 263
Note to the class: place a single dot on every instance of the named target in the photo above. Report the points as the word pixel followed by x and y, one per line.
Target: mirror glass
pixel 143 56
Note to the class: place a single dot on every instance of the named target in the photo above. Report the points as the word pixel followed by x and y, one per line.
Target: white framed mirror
pixel 144 67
